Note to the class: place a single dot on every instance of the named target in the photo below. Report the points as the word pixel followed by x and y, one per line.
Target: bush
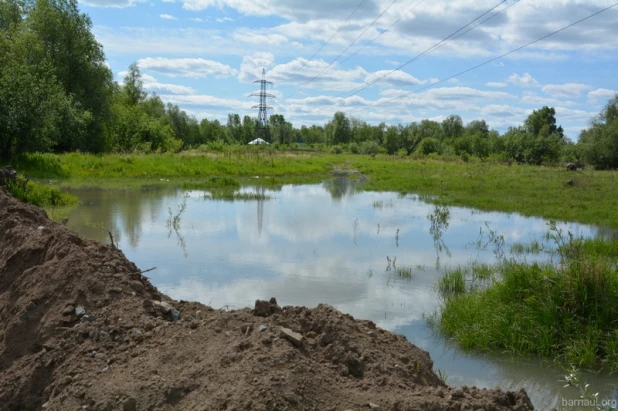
pixel 354 149
pixel 369 147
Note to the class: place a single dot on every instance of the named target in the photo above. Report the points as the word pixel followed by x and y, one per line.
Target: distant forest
pixel 58 95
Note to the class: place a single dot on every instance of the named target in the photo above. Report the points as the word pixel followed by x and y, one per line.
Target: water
pixel 326 243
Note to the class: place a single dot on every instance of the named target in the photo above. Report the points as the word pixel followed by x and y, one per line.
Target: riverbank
pixel 84 328
pixel 584 196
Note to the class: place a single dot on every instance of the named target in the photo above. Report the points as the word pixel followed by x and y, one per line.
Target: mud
pixel 82 328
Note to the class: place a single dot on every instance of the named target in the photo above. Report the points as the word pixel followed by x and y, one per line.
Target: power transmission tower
pixel 262 129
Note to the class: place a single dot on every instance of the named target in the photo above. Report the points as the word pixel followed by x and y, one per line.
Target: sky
pixel 377 60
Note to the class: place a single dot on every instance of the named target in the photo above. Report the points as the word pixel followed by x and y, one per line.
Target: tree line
pixel 58 95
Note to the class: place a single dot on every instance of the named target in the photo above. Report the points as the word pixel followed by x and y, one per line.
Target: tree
pixel 543 123
pixel 79 66
pixel 281 131
pixel 134 86
pixel 452 127
pixel 599 143
pixel 340 131
pixel 33 106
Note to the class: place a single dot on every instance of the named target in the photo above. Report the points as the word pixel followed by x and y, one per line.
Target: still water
pixel 327 243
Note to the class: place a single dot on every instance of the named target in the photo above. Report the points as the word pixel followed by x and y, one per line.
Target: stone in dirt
pixel 170 365
pixel 294 338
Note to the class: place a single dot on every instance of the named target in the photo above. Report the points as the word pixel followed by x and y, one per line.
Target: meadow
pixel 552 192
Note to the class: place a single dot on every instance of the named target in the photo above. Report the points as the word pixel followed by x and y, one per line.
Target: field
pixel 586 196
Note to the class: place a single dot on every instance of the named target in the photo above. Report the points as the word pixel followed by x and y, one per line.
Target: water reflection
pixel 324 243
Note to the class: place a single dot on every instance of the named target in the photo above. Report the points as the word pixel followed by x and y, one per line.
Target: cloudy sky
pixel 378 60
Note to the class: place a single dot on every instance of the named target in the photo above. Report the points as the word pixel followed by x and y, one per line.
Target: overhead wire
pixel 429 50
pixel 340 54
pixel 498 57
pixel 443 42
pixel 338 28
pixel 385 31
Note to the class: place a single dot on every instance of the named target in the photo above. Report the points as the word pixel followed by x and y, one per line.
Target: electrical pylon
pixel 262 129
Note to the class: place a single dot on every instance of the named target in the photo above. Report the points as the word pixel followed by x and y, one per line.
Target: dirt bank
pixel 82 329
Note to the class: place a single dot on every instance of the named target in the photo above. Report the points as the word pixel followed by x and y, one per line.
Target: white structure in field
pixel 258 141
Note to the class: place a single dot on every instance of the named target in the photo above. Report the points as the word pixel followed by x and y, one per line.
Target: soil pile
pixel 81 328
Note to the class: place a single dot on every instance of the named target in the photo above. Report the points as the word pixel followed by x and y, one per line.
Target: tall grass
pixel 39 194
pixel 566 311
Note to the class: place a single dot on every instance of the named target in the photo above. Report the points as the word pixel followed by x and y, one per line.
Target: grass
pixel 39 194
pixel 529 190
pixel 566 311
pixel 404 272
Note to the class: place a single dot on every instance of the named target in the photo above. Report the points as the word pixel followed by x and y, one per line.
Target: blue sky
pixel 204 55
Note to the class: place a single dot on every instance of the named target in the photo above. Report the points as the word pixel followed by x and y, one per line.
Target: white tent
pixel 258 141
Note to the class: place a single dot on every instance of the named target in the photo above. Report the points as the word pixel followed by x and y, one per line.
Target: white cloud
pixel 196 19
pixel 167 17
pixel 252 66
pixel 253 37
pixel 395 78
pixel 111 3
pixel 523 81
pixel 496 84
pixel 151 84
pixel 224 19
pixel 569 90
pixel 186 67
pixel 534 99
pixel 601 95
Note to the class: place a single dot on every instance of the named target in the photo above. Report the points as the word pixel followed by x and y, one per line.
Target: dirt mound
pixel 82 329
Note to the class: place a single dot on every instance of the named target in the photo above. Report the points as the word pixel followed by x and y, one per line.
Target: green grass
pixel 404 272
pixel 567 311
pixel 38 194
pixel 529 190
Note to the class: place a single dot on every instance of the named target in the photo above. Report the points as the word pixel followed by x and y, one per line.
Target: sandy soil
pixel 81 328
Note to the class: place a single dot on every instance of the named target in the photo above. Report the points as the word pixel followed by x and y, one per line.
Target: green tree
pixel 599 143
pixel 339 130
pixel 543 123
pixel 281 130
pixel 79 66
pixel 452 127
pixel 134 86
pixel 33 106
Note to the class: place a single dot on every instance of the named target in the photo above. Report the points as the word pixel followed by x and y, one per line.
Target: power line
pixel 340 54
pixel 436 46
pixel 338 28
pixel 385 31
pixel 429 50
pixel 498 57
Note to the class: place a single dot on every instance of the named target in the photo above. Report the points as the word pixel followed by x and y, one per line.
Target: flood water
pixel 327 243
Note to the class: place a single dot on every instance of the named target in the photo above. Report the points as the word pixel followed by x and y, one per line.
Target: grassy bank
pixel 591 198
pixel 38 194
pixel 567 312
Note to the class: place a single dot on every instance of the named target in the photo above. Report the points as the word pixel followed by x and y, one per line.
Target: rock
pixel 374 407
pixel 266 308
pixel 262 308
pixel 89 318
pixel 79 311
pixel 199 314
pixel 68 310
pixel 162 306
pixel 175 314
pixel 194 325
pixel 294 338
pixel 262 327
